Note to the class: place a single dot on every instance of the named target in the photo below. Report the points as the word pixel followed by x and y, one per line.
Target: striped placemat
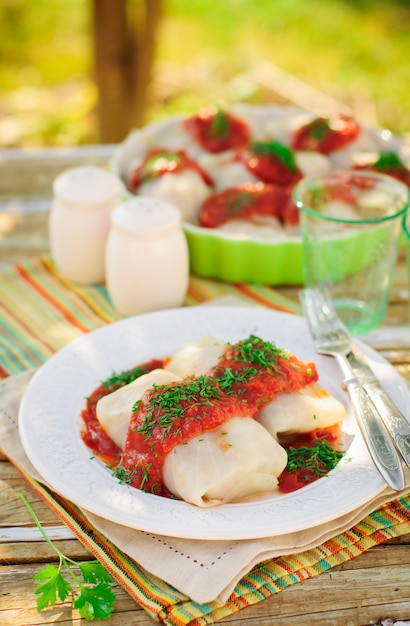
pixel 39 314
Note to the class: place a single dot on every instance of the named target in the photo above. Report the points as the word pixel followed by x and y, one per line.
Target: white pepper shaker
pixel 147 261
pixel 80 219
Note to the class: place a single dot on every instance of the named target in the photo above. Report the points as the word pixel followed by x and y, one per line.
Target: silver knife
pixel 332 338
pixel 394 420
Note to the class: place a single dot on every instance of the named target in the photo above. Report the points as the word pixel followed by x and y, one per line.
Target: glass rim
pixel 405 226
pixel 311 180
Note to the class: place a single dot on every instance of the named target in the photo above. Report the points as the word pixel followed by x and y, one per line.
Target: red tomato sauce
pixel 290 374
pixel 326 134
pixel 292 480
pixel 246 201
pixel 217 131
pixel 160 161
pixel 389 163
pixel 94 435
pixel 272 162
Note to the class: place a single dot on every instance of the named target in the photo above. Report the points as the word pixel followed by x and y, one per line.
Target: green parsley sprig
pixel 94 598
pixel 220 125
pixel 276 150
pixel 387 161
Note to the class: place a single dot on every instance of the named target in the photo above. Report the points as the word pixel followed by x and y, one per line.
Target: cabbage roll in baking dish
pixel 174 177
pixel 185 190
pixel 301 411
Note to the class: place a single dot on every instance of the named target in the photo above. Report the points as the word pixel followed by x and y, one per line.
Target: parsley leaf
pixel 95 602
pixel 276 150
pixel 387 161
pixel 94 597
pixel 54 585
pixel 220 125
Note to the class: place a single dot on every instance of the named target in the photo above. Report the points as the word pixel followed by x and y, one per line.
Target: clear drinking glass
pixel 350 223
pixel 406 231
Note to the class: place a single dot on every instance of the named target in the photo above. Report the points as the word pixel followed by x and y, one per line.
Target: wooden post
pixel 124 40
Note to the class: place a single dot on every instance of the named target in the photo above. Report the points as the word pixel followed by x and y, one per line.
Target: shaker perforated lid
pixel 86 185
pixel 145 215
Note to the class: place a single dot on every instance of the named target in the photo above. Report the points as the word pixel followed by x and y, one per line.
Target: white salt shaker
pixel 80 219
pixel 147 261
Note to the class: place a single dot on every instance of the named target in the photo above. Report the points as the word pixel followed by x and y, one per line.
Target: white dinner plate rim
pixel 68 467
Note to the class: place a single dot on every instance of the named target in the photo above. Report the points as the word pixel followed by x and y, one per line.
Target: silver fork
pixel 331 338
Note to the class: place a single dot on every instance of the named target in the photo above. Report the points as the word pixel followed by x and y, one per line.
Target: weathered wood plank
pixel 18 604
pixel 327 600
pixel 12 509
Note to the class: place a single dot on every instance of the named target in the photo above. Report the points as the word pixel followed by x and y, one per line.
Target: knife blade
pixel 394 420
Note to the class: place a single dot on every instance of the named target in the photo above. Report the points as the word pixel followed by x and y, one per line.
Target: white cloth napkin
pixel 204 570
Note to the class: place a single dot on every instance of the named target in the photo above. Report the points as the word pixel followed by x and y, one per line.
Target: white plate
pixel 50 426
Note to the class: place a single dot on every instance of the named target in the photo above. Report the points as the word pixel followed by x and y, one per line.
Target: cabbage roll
pixel 185 190
pixel 238 460
pixel 114 410
pixel 308 409
pixel 226 170
pixel 197 357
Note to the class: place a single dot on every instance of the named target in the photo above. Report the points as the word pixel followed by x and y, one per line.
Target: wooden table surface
pixel 366 590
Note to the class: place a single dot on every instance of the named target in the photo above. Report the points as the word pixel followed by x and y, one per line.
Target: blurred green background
pixel 354 51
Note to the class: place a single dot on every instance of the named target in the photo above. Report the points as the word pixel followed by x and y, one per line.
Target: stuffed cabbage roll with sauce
pixel 301 411
pixel 238 460
pixel 114 410
pixel 192 441
pixel 226 170
pixel 197 438
pixel 174 177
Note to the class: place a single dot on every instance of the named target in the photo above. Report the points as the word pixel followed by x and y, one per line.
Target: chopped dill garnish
pixel 126 476
pixel 256 350
pixel 319 459
pixel 228 378
pixel 123 378
pixel 172 401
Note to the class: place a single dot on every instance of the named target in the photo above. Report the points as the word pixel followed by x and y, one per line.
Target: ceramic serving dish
pixel 274 258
